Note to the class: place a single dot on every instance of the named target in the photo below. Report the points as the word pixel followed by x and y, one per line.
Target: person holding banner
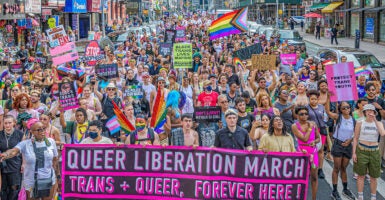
pixel 366 154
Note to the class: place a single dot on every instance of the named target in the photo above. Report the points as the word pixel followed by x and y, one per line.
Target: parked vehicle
pixel 270 32
pixel 262 29
pixel 293 37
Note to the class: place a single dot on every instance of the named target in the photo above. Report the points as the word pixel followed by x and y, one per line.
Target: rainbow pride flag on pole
pixel 125 125
pixel 230 23
pixel 363 70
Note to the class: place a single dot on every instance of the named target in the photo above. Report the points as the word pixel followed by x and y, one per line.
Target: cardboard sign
pixel 247 52
pixel 16 68
pixel 289 59
pixel 134 91
pixel 57 36
pixel 107 71
pixel 169 36
pixel 341 82
pixel 207 114
pixel 182 55
pixel 100 171
pixel 67 96
pixel 93 53
pixel 165 49
pixel 263 62
pixel 180 35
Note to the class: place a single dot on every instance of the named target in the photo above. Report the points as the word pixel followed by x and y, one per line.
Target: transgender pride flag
pixel 113 125
pixel 342 82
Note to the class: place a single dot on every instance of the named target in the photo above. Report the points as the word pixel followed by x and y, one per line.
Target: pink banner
pixel 156 172
pixel 62 49
pixel 289 59
pixel 342 82
pixel 69 57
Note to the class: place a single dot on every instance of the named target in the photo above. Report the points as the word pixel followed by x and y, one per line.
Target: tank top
pixel 269 112
pixel 304 78
pixel 368 132
pixel 311 138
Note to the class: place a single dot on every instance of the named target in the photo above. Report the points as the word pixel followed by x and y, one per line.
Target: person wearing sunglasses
pixel 308 136
pixel 232 136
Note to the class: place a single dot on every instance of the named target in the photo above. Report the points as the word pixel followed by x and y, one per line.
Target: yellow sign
pixel 51 22
pixel 280 12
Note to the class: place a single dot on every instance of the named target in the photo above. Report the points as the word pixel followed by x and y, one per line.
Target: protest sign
pixel 247 52
pixel 16 68
pixel 289 59
pixel 165 49
pixel 180 34
pixel 169 36
pixel 57 36
pixel 107 71
pixel 70 46
pixel 341 82
pixel 263 62
pixel 67 96
pixel 182 55
pixel 92 53
pixel 100 171
pixel 41 60
pixel 207 114
pixel 134 91
pixel 69 57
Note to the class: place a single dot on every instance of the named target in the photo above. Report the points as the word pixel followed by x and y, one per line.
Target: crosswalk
pixel 325 185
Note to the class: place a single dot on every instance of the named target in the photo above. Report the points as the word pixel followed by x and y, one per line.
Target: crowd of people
pixel 286 109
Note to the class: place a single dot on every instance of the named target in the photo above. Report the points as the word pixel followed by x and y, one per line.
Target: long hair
pixel 271 126
pixel 16 103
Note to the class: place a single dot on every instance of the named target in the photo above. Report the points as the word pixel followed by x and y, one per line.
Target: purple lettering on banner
pixel 154 172
pixel 62 49
pixel 289 59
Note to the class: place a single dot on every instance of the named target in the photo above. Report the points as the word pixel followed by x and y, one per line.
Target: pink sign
pixel 62 49
pixel 69 57
pixel 342 82
pixel 156 172
pixel 180 34
pixel 289 59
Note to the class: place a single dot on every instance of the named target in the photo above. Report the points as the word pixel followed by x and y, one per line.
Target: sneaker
pixel 336 195
pixel 348 194
pixel 321 174
pixel 355 176
pixel 383 163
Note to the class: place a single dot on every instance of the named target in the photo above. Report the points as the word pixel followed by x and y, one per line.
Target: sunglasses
pixel 110 89
pixel 40 130
pixel 345 107
pixel 303 114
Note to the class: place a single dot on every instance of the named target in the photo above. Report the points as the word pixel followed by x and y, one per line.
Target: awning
pixel 318 6
pixel 331 7
pixel 376 9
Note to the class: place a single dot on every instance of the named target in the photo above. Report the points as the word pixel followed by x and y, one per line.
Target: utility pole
pixel 103 23
pixel 276 20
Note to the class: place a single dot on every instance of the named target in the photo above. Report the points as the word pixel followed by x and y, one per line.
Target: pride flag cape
pixel 125 125
pixel 158 117
pixel 363 70
pixel 230 23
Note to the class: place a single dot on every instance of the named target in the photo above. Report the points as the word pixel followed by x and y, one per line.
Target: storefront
pixel 332 14
pixel 11 10
pixel 77 17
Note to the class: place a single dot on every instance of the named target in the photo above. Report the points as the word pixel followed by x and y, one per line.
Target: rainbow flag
pixel 238 63
pixel 158 117
pixel 363 70
pixel 113 125
pixel 230 23
pixel 125 125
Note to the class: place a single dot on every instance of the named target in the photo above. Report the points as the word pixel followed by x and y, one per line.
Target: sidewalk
pixel 376 49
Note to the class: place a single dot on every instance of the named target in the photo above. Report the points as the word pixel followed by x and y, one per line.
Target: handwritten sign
pixel 67 96
pixel 57 36
pixel 108 71
pixel 182 55
pixel 341 82
pixel 289 59
pixel 41 60
pixel 169 36
pixel 16 68
pixel 180 35
pixel 134 91
pixel 93 53
pixel 205 114
pixel 247 52
pixel 69 57
pixel 165 49
pixel 263 62
pixel 153 172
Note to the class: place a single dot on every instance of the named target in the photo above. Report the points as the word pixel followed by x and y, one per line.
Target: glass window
pixel 369 3
pixel 366 59
pixel 356 3
pixel 382 26
pixel 355 23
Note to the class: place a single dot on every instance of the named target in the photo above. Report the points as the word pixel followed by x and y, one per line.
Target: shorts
pixel 367 161
pixel 340 151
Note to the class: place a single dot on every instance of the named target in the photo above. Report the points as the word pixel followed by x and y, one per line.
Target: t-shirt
pixel 206 133
pixel 250 106
pixel 272 143
pixel 246 122
pixel 238 140
pixel 208 99
pixel 148 89
pixel 8 142
pixel 104 140
pixel 287 116
pixel 361 91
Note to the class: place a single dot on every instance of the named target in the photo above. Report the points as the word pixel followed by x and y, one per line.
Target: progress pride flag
pixel 135 172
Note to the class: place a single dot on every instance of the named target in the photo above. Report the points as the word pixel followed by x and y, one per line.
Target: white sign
pixel 33 6
pixel 57 36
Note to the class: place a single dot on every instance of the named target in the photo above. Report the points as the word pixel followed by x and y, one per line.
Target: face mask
pixel 140 126
pixel 93 135
pixel 209 88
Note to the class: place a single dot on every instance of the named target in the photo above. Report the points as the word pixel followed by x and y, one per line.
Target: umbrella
pixel 313 15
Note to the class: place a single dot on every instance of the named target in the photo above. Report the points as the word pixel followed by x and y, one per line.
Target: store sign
pixel 93 5
pixel 11 9
pixel 76 6
pixel 33 6
pixel 370 26
pixel 56 3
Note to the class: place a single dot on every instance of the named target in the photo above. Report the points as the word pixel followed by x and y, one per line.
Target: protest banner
pixel 16 68
pixel 68 57
pixel 207 114
pixel 182 55
pixel 70 46
pixel 107 71
pixel 100 171
pixel 57 36
pixel 247 52
pixel 169 36
pixel 289 59
pixel 341 82
pixel 92 53
pixel 134 91
pixel 165 49
pixel 67 96
pixel 180 34
pixel 263 62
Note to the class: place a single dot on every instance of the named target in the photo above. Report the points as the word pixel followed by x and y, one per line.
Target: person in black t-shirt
pixel 378 103
pixel 245 120
pixel 250 103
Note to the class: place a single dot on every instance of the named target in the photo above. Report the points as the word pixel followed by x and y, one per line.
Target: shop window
pixel 382 26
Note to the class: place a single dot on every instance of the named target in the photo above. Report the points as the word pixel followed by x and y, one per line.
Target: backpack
pixel 150 131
